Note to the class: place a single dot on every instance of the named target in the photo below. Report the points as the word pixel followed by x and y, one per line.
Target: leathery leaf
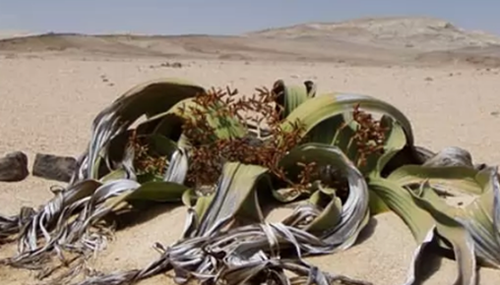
pixel 451 230
pixel 400 201
pixel 224 127
pixel 156 96
pixel 158 191
pixel 318 109
pixel 153 191
pixel 148 99
pixel 337 131
pixel 235 192
pixel 169 122
pixel 482 218
pixel 395 141
pixel 354 211
pixel 447 179
pixel 292 96
pixel 419 221
pixel 330 215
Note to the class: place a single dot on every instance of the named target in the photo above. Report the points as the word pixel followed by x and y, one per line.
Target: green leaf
pixel 400 201
pixel 148 177
pixel 162 145
pixel 235 189
pixel 226 127
pixel 114 175
pixel 290 96
pixel 202 205
pixel 318 109
pixel 188 197
pixel 168 123
pixel 355 210
pixel 452 179
pixel 158 192
pixel 452 231
pixel 329 217
pixel 148 99
pixel 320 154
pixel 336 131
pixel 395 142
pixel 377 205
pixel 155 96
pixel 481 218
pixel 293 96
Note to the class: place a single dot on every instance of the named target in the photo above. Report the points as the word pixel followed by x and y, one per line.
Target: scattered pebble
pixel 175 64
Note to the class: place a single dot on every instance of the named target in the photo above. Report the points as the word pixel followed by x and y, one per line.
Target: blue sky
pixel 226 16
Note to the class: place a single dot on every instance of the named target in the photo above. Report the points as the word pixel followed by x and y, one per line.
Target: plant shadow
pixel 367 231
pixel 434 256
pixel 430 264
pixel 140 213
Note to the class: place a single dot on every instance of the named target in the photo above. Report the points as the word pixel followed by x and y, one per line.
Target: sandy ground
pixel 46 105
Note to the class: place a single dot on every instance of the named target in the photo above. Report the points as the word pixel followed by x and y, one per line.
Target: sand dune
pixel 387 41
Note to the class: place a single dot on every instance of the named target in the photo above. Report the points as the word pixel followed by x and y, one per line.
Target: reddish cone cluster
pixel 209 152
pixel 369 137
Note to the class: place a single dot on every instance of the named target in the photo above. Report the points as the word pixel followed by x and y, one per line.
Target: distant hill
pixel 396 40
pixel 6 34
pixel 419 33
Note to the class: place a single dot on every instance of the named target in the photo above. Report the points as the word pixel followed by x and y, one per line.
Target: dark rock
pixel 14 167
pixel 59 168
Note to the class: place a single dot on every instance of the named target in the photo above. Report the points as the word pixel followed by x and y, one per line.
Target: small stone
pixel 59 168
pixel 429 79
pixel 495 113
pixel 176 65
pixel 14 167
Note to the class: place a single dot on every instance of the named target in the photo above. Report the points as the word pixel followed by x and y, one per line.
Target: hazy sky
pixel 226 16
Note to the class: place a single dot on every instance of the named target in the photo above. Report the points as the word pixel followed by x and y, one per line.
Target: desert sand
pixel 52 86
